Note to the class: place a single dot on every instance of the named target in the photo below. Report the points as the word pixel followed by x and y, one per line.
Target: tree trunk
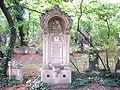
pixel 93 60
pixel 107 60
pixel 80 42
pixel 19 18
pixel 117 66
pixel 8 53
pixel 93 57
pixel 1 54
pixel 81 46
pixel 22 36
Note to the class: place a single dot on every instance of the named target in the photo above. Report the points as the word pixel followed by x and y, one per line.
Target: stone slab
pixel 49 76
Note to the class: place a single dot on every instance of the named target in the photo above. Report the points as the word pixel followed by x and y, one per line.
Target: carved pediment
pixel 56 21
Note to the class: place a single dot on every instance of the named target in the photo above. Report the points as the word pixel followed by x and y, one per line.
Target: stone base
pixel 52 77
pixel 60 87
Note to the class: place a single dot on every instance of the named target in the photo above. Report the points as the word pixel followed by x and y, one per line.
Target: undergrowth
pixel 81 79
pixel 8 82
pixel 110 79
pixel 37 84
pixel 77 80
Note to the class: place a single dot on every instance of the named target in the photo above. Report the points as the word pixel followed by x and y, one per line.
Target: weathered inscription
pixel 56 50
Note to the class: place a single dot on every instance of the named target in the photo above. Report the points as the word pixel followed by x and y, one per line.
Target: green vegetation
pixel 84 79
pixel 94 23
pixel 7 82
pixel 79 80
pixel 38 85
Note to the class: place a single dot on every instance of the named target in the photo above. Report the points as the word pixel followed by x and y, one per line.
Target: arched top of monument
pixel 56 14
pixel 56 8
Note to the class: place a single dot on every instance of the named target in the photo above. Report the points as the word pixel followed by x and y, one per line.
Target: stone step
pixel 60 87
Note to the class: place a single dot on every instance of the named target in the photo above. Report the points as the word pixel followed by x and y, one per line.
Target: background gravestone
pixel 56 26
pixel 15 69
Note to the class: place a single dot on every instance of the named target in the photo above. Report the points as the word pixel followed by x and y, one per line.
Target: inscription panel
pixel 56 50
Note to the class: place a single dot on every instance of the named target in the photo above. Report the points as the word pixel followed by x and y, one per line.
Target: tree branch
pixel 27 9
pixel 81 12
pixel 8 53
pixel 108 28
pixel 6 13
pixel 96 51
pixel 74 64
pixel 31 9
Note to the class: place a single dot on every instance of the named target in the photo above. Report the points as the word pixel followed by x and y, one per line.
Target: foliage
pixel 7 82
pixel 79 80
pixel 110 82
pixel 75 48
pixel 100 20
pixel 110 79
pixel 38 85
pixel 1 72
pixel 82 79
pixel 92 53
pixel 3 47
pixel 12 36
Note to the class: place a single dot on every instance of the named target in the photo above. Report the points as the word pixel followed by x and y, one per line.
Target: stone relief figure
pixel 55 26
pixel 56 38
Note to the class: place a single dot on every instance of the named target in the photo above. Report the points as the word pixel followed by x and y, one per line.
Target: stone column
pixel 10 69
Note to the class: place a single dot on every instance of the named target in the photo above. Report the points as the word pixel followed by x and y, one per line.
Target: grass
pixel 31 69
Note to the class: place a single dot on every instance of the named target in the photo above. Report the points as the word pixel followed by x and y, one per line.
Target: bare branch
pixel 96 51
pixel 74 64
pixel 81 12
pixel 78 29
pixel 108 28
pixel 26 8
pixel 74 7
pixel 30 9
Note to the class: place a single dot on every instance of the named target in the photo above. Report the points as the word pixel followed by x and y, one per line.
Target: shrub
pixel 79 80
pixel 37 84
pixel 7 82
pixel 110 82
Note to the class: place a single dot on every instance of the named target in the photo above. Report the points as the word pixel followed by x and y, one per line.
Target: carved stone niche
pixel 56 26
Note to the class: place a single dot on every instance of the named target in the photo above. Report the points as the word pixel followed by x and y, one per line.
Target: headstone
pixel 24 49
pixel 118 38
pixel 56 26
pixel 117 68
pixel 3 38
pixel 15 69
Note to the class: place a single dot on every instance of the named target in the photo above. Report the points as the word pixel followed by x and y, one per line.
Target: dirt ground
pixel 32 66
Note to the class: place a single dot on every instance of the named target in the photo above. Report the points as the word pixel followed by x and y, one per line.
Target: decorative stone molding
pixel 56 14
pixel 56 26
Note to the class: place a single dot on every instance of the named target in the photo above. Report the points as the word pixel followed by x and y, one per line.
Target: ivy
pixel 83 79
pixel 7 82
pixel 38 85
pixel 111 82
pixel 79 80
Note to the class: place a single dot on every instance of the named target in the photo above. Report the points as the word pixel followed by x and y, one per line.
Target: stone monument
pixel 15 69
pixel 56 26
